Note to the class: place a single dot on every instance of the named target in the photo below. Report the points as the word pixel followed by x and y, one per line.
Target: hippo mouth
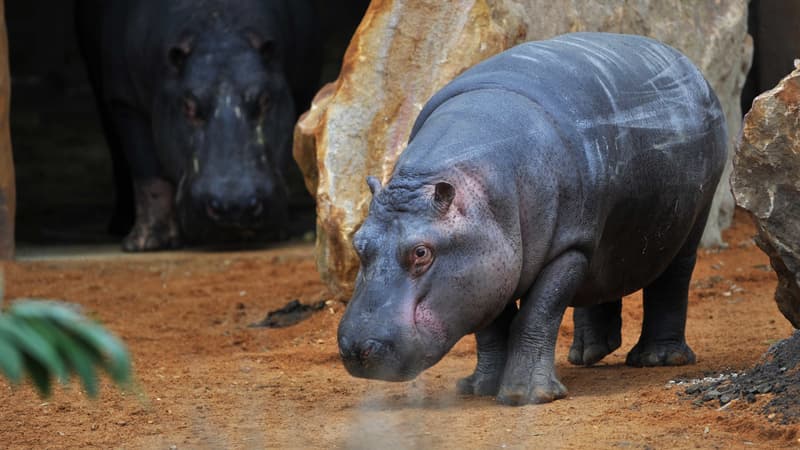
pixel 429 328
pixel 380 362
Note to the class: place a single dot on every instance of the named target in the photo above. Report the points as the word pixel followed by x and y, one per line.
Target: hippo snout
pixel 378 359
pixel 236 210
pixel 236 205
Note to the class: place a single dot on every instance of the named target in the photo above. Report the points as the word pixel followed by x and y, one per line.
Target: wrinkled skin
pixel 199 99
pixel 567 172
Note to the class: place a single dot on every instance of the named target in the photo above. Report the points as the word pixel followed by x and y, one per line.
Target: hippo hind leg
pixel 492 353
pixel 597 332
pixel 663 341
pixel 663 338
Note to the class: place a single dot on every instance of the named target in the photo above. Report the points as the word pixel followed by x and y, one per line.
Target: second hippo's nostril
pixel 255 206
pixel 214 208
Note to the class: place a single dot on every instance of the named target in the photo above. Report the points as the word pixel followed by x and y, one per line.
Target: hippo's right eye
pixel 191 110
pixel 421 259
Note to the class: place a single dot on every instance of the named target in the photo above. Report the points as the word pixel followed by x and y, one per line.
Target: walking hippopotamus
pixel 566 172
pixel 198 101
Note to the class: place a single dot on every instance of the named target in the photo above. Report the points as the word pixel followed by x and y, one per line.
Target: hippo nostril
pixel 255 206
pixel 214 208
pixel 370 348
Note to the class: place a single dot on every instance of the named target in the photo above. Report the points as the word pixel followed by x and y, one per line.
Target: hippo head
pixel 223 126
pixel 434 267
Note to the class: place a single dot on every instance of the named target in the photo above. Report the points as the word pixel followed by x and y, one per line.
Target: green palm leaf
pixel 46 339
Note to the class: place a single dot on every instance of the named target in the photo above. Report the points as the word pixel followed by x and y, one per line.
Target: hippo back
pixel 642 126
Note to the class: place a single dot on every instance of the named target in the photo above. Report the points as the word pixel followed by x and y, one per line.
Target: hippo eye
pixel 421 258
pixel 258 106
pixel 263 101
pixel 190 109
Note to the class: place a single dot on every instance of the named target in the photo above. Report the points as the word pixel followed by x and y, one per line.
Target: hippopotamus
pixel 566 172
pixel 198 100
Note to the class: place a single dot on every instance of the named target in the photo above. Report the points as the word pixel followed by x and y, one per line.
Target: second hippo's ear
pixel 179 53
pixel 443 196
pixel 374 185
pixel 265 47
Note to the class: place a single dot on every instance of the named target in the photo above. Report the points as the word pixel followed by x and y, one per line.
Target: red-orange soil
pixel 209 381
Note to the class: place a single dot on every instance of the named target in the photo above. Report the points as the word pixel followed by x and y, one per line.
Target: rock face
pixel 7 196
pixel 766 182
pixel 404 51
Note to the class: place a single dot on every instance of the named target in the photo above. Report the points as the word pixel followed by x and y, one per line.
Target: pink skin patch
pixel 425 320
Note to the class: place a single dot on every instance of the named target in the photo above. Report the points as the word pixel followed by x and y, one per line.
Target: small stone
pixel 725 398
pixel 764 388
pixel 693 389
pixel 711 395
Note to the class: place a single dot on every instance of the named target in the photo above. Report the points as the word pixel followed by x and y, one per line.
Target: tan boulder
pixel 766 182
pixel 404 51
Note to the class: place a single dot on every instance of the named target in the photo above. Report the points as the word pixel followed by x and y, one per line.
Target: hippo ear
pixel 180 52
pixel 374 185
pixel 443 196
pixel 265 47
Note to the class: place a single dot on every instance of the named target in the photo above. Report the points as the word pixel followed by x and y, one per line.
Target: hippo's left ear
pixel 443 196
pixel 180 52
pixel 265 47
pixel 374 185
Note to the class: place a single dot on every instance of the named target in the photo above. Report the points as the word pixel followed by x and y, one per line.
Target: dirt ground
pixel 209 381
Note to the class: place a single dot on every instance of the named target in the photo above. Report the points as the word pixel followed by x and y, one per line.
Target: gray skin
pixel 198 100
pixel 565 172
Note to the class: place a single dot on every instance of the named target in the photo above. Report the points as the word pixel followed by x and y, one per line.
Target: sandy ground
pixel 209 381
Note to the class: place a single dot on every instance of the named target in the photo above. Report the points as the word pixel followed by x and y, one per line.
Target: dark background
pixel 64 186
pixel 65 192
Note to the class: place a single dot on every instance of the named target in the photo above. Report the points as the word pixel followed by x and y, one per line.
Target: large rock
pixel 404 51
pixel 766 182
pixel 7 196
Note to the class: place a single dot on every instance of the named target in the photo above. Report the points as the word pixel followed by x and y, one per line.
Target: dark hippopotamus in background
pixel 565 172
pixel 198 101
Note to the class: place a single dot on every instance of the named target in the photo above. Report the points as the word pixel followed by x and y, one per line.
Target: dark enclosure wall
pixel 64 185
pixel 775 28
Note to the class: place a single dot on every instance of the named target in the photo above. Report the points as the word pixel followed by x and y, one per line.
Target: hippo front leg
pixel 156 226
pixel 492 354
pixel 529 375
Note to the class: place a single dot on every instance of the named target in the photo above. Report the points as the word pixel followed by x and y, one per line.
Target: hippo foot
pixel 517 394
pixel 586 355
pixel 597 332
pixel 589 346
pixel 479 384
pixel 150 238
pixel 650 354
